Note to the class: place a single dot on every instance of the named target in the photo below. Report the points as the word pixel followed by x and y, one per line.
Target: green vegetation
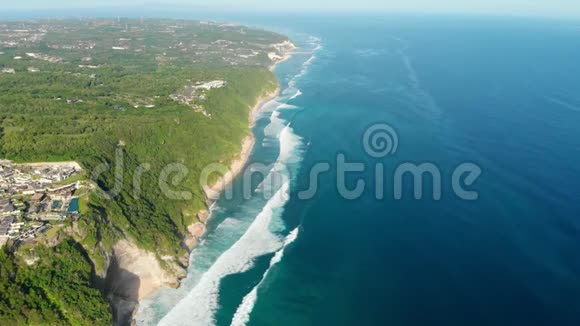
pixel 55 291
pixel 66 112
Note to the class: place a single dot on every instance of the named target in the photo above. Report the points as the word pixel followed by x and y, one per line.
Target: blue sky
pixel 493 7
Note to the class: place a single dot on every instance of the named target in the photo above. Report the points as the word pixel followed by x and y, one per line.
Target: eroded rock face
pixel 203 216
pixel 133 275
pixel 190 241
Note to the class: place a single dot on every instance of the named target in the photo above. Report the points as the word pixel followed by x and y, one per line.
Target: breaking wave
pixel 200 305
pixel 242 315
pixel 287 107
pixel 296 95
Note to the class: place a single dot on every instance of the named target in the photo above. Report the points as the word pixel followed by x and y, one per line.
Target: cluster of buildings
pixel 79 45
pixel 6 229
pixel 13 71
pixel 210 85
pixel 19 232
pixel 191 94
pixel 15 36
pixel 53 204
pixel 31 201
pixel 7 71
pixel 28 179
pixel 44 57
pixel 182 43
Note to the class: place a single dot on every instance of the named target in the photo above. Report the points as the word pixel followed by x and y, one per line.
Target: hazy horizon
pixel 543 8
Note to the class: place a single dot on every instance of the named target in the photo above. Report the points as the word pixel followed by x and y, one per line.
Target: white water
pixel 242 315
pixel 244 310
pixel 273 129
pixel 297 94
pixel 200 305
pixel 288 107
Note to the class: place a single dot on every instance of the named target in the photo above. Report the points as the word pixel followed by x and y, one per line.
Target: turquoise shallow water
pixel 499 93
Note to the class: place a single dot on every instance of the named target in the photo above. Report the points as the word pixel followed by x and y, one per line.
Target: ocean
pixel 495 245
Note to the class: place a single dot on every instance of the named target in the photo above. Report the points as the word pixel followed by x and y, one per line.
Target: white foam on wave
pixel 242 315
pixel 273 129
pixel 200 305
pixel 298 94
pixel 289 143
pixel 286 106
pixel 277 123
pixel 270 106
pixel 228 222
pixel 292 92
pixel 315 42
pixel 304 70
pixel 305 66
pixel 289 146
pixel 290 153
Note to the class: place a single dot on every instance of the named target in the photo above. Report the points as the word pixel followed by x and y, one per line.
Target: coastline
pixel 153 279
pixel 212 192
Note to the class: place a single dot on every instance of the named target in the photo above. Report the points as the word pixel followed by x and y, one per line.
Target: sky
pixel 486 7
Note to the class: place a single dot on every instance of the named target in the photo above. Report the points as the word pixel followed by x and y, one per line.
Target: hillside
pixel 135 95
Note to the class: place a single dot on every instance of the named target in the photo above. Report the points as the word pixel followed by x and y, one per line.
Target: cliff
pixel 133 112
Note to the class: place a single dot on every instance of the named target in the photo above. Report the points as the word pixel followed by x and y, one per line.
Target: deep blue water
pixel 503 94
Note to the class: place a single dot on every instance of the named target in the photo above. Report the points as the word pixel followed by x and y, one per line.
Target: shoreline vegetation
pixel 130 86
pixel 198 229
pixel 238 164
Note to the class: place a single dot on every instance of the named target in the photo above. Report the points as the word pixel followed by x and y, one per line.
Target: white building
pixel 212 85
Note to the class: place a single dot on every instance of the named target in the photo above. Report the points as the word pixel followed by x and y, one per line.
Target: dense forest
pixel 64 111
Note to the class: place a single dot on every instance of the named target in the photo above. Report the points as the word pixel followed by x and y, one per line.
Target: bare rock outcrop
pixel 135 274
